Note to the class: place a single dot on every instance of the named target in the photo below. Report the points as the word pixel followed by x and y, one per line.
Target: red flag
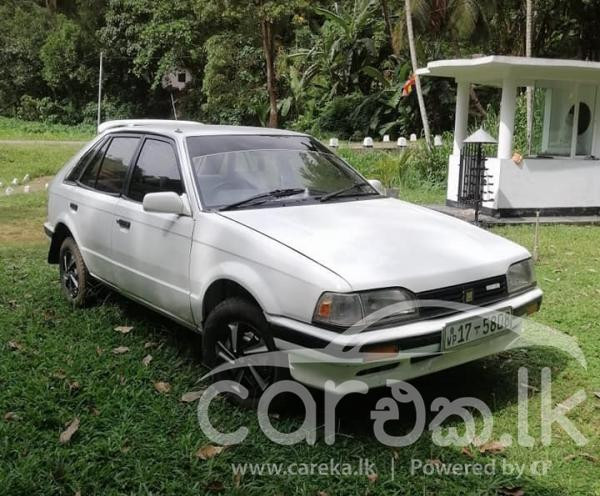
pixel 408 86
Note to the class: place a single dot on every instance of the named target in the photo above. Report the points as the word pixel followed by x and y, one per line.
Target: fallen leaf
pixel 209 451
pixel 587 456
pixel 59 374
pixel 162 387
pixel 191 396
pixel 74 386
pixel 120 350
pixel 124 329
pixel 493 447
pixel 215 486
pixel 466 451
pixel 511 491
pixel 237 479
pixel 11 416
pixel 150 344
pixel 15 345
pixel 147 359
pixel 71 429
pixel 373 477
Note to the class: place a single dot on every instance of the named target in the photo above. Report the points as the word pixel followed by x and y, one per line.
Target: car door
pixel 152 250
pixel 94 189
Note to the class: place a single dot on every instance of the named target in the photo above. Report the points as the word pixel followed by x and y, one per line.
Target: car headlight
pixel 521 276
pixel 346 309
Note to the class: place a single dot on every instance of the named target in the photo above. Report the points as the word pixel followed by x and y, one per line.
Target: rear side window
pixel 83 161
pixel 114 166
pixel 156 171
pixel 90 174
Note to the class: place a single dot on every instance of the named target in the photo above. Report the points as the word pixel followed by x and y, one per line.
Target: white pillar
pixel 507 119
pixel 462 115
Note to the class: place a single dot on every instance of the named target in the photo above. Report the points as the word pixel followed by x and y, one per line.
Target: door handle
pixel 74 206
pixel 125 224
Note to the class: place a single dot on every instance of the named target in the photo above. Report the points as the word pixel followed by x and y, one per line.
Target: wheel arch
pixel 221 289
pixel 61 232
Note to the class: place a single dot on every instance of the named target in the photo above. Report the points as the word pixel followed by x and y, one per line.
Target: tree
pixel 413 58
pixel 528 40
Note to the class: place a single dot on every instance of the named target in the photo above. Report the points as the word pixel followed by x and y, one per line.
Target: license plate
pixel 480 327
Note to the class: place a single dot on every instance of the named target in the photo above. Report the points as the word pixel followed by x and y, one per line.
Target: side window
pixel 83 161
pixel 88 178
pixel 114 166
pixel 156 170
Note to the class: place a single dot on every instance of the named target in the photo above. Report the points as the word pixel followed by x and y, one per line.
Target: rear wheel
pixel 75 280
pixel 236 330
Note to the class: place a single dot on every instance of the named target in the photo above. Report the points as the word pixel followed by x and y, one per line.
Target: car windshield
pixel 243 171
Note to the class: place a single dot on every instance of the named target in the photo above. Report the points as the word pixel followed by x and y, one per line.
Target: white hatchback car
pixel 263 240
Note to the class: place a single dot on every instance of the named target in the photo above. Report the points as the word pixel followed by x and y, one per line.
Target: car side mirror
pixel 376 183
pixel 167 202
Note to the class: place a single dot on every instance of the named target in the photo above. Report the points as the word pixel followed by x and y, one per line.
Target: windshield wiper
pixel 263 197
pixel 342 191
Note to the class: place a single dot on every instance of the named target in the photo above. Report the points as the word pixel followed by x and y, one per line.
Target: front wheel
pixel 75 280
pixel 237 329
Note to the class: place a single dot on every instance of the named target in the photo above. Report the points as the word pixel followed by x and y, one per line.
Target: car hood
pixel 380 243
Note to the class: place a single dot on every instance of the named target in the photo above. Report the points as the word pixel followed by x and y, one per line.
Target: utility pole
pixel 528 35
pixel 100 90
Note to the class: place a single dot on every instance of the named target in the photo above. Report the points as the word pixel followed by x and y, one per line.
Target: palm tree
pixel 528 37
pixel 413 58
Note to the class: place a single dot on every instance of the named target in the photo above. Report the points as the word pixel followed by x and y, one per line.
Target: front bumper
pixel 317 355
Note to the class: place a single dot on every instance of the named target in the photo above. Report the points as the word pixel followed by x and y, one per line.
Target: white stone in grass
pixel 413 137
pixel 27 178
pixel 334 143
pixel 386 138
pixel 437 140
pixel 14 182
pixel 26 189
pixel 8 191
pixel 368 142
pixel 402 142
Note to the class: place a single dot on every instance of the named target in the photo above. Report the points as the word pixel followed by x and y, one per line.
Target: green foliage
pixel 23 30
pixel 233 84
pixel 61 56
pixel 415 168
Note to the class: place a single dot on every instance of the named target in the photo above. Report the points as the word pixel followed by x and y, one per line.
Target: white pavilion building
pixel 561 175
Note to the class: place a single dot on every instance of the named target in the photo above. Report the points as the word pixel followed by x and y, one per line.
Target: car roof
pixel 189 128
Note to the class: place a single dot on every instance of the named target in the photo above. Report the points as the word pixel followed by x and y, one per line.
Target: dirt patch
pixel 37 184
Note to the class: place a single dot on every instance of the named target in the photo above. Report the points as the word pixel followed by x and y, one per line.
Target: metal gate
pixel 472 175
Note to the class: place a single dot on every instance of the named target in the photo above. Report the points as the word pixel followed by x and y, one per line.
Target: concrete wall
pixel 535 184
pixel 548 183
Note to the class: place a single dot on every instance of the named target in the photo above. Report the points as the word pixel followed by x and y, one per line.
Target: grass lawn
pixel 24 130
pixel 35 159
pixel 57 364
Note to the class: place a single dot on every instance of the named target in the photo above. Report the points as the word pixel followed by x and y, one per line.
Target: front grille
pixel 484 292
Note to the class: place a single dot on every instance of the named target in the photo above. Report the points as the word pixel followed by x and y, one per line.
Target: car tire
pixel 75 280
pixel 238 317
